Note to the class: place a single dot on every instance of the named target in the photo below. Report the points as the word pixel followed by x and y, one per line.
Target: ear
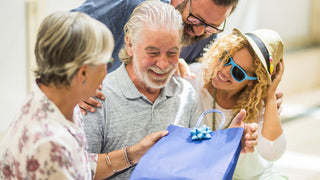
pixel 129 46
pixel 82 74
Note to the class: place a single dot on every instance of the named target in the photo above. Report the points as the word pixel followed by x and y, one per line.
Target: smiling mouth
pixel 189 29
pixel 221 78
pixel 158 74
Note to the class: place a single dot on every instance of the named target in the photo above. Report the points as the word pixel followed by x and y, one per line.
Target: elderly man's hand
pixel 138 150
pixel 250 134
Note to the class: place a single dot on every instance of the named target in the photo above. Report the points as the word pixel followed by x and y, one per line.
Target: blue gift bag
pixel 177 156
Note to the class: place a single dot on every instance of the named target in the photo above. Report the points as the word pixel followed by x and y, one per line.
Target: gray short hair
pixel 65 42
pixel 154 13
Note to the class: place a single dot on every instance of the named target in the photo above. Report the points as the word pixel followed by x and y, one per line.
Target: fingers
pixel 276 78
pixel 279 103
pixel 281 66
pixel 237 121
pixel 251 137
pixel 253 127
pixel 279 94
pixel 151 139
pixel 85 107
pixel 147 142
pixel 100 95
pixel 279 110
pixel 184 70
pixel 178 71
pixel 89 105
pixel 249 146
pixel 279 97
pixel 156 136
pixel 190 75
pixel 277 75
pixel 83 111
pixel 249 140
pixel 100 87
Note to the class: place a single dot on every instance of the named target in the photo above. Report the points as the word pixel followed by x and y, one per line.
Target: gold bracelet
pixel 109 163
pixel 126 156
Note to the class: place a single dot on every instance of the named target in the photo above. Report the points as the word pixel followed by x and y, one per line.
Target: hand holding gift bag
pixel 178 156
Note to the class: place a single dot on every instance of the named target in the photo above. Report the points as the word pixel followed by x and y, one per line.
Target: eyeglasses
pixel 197 22
pixel 237 72
pixel 109 63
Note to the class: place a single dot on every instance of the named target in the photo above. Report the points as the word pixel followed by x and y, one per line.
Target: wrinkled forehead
pixel 160 34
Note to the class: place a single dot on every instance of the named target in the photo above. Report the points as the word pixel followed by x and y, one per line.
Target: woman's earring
pixel 84 81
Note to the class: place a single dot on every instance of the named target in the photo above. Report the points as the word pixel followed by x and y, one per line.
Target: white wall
pixel 291 18
pixel 13 70
pixel 13 60
pixel 53 5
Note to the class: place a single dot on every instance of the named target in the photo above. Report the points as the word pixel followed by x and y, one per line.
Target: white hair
pixel 155 14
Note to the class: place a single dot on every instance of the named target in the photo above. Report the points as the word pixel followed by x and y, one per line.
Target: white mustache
pixel 159 70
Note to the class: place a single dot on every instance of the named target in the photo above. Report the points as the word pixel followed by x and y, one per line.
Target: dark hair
pixel 232 3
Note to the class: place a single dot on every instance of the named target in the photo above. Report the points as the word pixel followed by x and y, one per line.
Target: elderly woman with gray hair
pixel 46 139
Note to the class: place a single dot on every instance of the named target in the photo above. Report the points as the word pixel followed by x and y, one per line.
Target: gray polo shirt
pixel 127 116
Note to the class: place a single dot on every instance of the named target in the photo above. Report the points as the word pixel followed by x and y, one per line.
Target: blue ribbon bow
pixel 204 131
pixel 201 133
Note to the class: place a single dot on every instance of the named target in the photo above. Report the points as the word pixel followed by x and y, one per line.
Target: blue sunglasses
pixel 237 72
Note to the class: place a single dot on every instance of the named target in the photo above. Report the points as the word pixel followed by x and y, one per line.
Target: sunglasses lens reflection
pixel 238 74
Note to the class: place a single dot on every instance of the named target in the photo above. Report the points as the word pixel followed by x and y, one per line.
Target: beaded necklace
pixel 214 116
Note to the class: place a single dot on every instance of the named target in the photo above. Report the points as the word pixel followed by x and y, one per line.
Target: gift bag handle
pixel 211 111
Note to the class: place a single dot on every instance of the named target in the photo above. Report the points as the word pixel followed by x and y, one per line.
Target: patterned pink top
pixel 42 144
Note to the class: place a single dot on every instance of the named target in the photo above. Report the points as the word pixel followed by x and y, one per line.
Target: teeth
pixel 221 77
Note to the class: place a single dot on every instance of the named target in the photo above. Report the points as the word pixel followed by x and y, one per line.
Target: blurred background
pixel 297 21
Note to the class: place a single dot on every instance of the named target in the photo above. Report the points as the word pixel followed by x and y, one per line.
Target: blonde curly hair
pixel 251 97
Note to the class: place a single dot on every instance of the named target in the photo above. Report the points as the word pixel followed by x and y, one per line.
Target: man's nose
pixel 163 62
pixel 198 30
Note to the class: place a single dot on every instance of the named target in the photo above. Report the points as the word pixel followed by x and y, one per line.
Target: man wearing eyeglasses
pixel 203 20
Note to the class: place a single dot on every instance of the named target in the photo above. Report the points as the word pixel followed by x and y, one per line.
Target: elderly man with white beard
pixel 143 95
